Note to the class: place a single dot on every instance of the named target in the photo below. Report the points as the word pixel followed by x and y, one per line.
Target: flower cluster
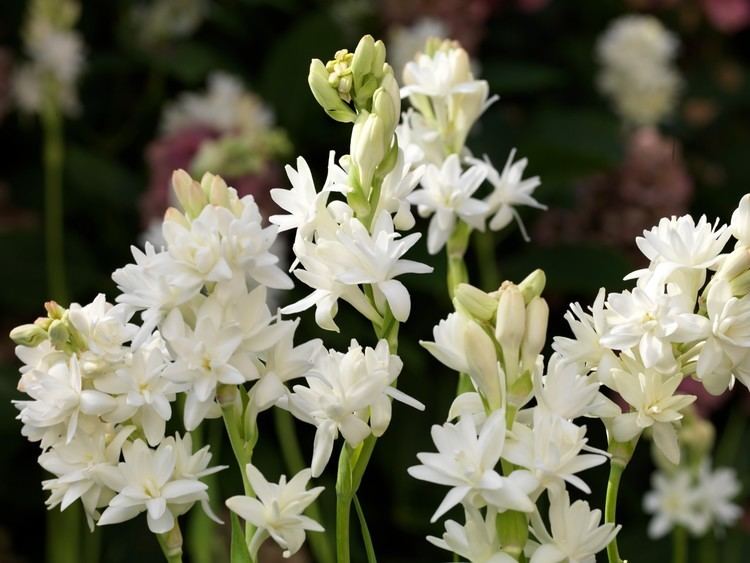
pixel 55 49
pixel 505 451
pixel 446 102
pixel 636 54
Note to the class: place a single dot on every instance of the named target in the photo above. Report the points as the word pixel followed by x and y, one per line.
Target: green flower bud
pixel 362 61
pixel 54 311
pixel 340 74
pixel 59 335
pixel 475 302
pixel 328 96
pixel 367 148
pixel 28 335
pixel 189 194
pixel 533 285
pixel 537 315
pixel 512 531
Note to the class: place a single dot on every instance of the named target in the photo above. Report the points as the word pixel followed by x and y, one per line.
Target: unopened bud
pixel 173 215
pixel 362 61
pixel 510 323
pixel 475 302
pixel 28 335
pixel 483 366
pixel 537 315
pixel 54 311
pixel 59 335
pixel 513 532
pixel 735 264
pixel 327 96
pixel 189 193
pixel 367 147
pixel 533 285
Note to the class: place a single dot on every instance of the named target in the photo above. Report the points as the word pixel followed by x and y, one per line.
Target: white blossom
pixel 475 541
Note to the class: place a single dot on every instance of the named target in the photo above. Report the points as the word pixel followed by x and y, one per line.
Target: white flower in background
pixel 420 142
pixel 729 339
pixel 446 193
pixel 568 392
pixel 344 392
pixel 144 394
pixel 165 20
pixel 575 534
pixel 154 285
pixel 673 501
pixel 654 405
pixel 637 53
pixel 551 449
pixel 651 321
pixel 59 399
pixel 404 42
pixel 476 541
pixel 146 483
pixel 466 461
pixel 277 512
pixel 510 190
pixel 81 469
pixel 715 492
pixel 225 106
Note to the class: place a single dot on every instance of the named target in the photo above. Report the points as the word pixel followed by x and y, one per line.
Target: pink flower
pixel 728 16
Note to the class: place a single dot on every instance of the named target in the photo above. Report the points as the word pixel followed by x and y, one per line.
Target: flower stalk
pixel 53 200
pixel 621 453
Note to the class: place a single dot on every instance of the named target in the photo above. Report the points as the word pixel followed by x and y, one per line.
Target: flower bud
pixel 189 193
pixel 512 531
pixel 736 263
pixel 741 285
pixel 172 214
pixel 327 96
pixel 367 147
pixel 533 285
pixel 483 366
pixel 510 325
pixel 386 102
pixel 28 335
pixel 59 335
pixel 537 315
pixel 54 311
pixel 740 224
pixel 475 302
pixel 362 61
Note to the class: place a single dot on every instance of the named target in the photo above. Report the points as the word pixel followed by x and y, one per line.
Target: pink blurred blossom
pixel 705 403
pixel 177 150
pixel 728 16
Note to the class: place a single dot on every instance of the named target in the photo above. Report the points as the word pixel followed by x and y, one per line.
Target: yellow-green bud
pixel 326 95
pixel 367 148
pixel 480 353
pixel 189 193
pixel 173 215
pixel 54 311
pixel 533 285
pixel 510 322
pixel 43 323
pixel 475 302
pixel 340 74
pixel 59 335
pixel 362 61
pixel 512 531
pixel 386 102
pixel 537 315
pixel 28 335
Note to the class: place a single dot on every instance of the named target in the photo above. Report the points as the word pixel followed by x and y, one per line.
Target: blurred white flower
pixel 476 541
pixel 404 42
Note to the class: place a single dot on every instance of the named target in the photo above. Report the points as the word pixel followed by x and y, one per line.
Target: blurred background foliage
pixel 538 56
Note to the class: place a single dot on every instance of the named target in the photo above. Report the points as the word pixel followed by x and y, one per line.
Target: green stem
pixel 344 496
pixel 369 548
pixel 295 462
pixel 53 200
pixel 489 274
pixel 455 250
pixel 679 545
pixel 91 545
pixel 621 453
pixel 63 533
pixel 171 544
pixel 202 545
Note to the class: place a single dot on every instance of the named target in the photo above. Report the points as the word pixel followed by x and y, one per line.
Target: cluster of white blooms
pixel 685 317
pixel 516 436
pixel 697 501
pixel 404 42
pixel 638 74
pixel 56 58
pixel 446 102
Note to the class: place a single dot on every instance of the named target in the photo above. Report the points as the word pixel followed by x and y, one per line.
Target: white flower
pixel 673 501
pixel 144 393
pixel 278 510
pixel 147 483
pixel 153 286
pixel 59 399
pixel 395 190
pixel 510 190
pixel 344 391
pixel 651 321
pixel 476 541
pixel 567 392
pixel 205 356
pixel 447 193
pixel 449 345
pixel 225 106
pixel 740 225
pixel 681 244
pixel 466 462
pixel 655 406
pixel 576 536
pixel 585 347
pixel 716 490
pixel 405 42
pixel 551 450
pixel 81 469
pixel 446 72
pixel 421 142
pixel 729 339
